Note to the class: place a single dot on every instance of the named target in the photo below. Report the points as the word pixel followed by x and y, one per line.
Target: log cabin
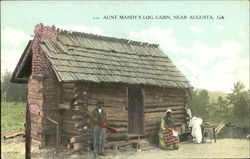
pixel 66 71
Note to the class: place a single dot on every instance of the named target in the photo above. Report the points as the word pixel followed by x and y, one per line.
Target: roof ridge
pixel 102 37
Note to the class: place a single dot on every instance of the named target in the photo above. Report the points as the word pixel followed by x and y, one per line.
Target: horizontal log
pixel 114 117
pixel 152 128
pixel 118 125
pixel 115 110
pixel 166 106
pixel 73 131
pixel 114 96
pixel 160 114
pixel 157 119
pixel 68 86
pixel 154 115
pixel 121 115
pixel 109 99
pixel 64 106
pixel 168 90
pixel 109 91
pixel 118 120
pixel 112 136
pixel 164 94
pixel 180 120
pixel 164 101
pixel 107 103
pixel 153 119
pixel 174 112
pixel 157 122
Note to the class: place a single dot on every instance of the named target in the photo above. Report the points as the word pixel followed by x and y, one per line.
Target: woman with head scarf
pixel 168 137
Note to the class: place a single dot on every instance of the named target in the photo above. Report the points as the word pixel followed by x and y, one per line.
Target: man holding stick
pixel 98 130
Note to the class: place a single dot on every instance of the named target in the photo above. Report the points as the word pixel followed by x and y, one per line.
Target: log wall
pixel 157 101
pixel 76 126
pixel 115 105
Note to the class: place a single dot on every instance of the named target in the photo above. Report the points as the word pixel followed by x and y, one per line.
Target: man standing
pixel 98 130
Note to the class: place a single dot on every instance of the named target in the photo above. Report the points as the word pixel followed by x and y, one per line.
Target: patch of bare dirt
pixel 223 148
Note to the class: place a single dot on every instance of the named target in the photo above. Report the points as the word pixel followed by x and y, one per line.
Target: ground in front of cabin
pixel 223 148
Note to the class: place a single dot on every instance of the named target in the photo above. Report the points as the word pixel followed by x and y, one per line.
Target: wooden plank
pixel 68 86
pixel 164 100
pixel 108 97
pixel 164 91
pixel 64 106
pixel 178 111
pixel 121 115
pixel 167 106
pixel 108 90
pixel 116 135
pixel 163 95
pixel 72 131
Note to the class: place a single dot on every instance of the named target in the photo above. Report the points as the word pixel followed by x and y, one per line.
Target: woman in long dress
pixel 168 137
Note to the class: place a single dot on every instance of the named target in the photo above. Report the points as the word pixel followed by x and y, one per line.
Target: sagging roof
pixel 86 57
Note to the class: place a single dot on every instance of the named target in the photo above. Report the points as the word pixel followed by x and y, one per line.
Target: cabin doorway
pixel 135 110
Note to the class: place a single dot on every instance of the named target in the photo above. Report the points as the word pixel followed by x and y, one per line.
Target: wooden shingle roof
pixel 86 57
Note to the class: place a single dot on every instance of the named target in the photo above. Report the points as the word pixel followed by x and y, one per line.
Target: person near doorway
pixel 98 130
pixel 168 137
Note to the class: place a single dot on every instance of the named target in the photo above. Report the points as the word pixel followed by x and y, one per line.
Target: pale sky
pixel 212 53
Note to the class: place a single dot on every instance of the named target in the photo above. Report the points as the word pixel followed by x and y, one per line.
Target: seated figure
pixel 168 137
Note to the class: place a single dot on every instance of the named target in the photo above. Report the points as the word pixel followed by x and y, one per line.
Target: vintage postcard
pixel 125 79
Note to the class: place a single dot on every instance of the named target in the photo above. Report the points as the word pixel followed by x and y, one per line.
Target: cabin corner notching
pixel 67 71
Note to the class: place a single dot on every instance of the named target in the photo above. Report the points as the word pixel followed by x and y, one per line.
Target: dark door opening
pixel 135 110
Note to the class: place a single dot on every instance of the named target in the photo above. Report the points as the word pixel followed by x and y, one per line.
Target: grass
pixel 12 116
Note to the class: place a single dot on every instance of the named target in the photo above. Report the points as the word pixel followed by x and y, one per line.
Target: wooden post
pixel 27 133
pixel 58 137
pixel 214 135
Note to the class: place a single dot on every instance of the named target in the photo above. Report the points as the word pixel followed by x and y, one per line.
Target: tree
pixel 11 91
pixel 239 98
pixel 221 110
pixel 200 103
